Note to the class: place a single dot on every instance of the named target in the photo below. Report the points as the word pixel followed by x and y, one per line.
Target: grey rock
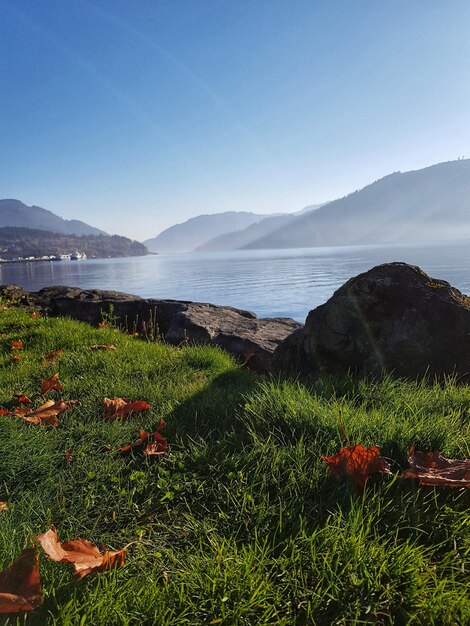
pixel 392 319
pixel 241 333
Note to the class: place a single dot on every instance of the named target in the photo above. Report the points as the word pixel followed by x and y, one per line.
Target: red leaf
pixel 433 469
pixel 21 398
pixel 148 444
pixel 20 585
pixel 357 463
pixel 69 456
pixel 17 344
pixel 35 315
pixel 50 383
pixel 122 407
pixel 53 355
pixel 15 358
pixel 84 555
pixel 4 411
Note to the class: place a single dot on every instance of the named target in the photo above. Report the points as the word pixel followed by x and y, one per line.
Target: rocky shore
pixel 392 319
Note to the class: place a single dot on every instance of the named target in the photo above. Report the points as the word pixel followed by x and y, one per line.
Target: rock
pixel 239 332
pixel 392 319
pixel 14 293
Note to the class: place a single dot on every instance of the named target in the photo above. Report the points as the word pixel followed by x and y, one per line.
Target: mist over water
pixel 271 283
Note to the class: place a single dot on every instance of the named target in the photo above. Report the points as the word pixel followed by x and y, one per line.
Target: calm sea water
pixel 270 282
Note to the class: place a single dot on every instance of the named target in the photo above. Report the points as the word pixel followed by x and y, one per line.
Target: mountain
pixel 15 213
pixel 427 204
pixel 196 231
pixel 27 242
pixel 242 238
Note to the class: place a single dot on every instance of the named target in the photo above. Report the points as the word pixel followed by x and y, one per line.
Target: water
pixel 270 282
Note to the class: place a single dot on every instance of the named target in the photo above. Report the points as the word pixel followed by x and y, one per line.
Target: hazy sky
pixel 133 115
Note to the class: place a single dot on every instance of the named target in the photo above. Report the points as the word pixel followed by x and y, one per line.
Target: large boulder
pixel 241 333
pixel 392 319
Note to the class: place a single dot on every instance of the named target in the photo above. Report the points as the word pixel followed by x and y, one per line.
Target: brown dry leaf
pixel 35 315
pixel 433 469
pixel 51 383
pixel 99 346
pixel 101 325
pixel 122 407
pixel 358 463
pixel 69 456
pixel 148 444
pixel 55 354
pixel 47 413
pixel 3 506
pixel 15 358
pixel 84 555
pixel 20 585
pixel 21 398
pixel 17 344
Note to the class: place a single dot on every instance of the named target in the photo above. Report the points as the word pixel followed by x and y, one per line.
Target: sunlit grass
pixel 241 523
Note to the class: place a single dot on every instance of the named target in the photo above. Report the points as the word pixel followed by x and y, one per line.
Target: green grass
pixel 241 522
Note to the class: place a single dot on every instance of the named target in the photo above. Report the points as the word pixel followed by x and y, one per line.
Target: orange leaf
pixel 20 585
pixel 4 411
pixel 17 344
pixel 53 355
pixel 50 383
pixel 122 407
pixel 21 398
pixel 154 444
pixel 47 413
pixel 15 358
pixel 35 315
pixel 99 346
pixel 433 469
pixel 3 506
pixel 358 463
pixel 84 555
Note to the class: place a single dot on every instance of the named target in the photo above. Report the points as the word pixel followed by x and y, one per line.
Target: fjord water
pixel 270 282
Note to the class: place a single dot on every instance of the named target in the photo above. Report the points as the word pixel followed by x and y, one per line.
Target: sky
pixel 135 115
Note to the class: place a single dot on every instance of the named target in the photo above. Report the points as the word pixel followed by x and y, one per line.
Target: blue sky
pixel 134 115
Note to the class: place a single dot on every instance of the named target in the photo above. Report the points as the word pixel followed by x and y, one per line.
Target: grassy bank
pixel 241 522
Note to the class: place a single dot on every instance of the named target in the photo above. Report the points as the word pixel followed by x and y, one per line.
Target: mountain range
pixel 18 214
pixel 427 204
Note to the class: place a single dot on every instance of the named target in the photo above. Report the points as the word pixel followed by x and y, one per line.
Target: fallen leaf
pixel 15 358
pixel 17 344
pixel 122 407
pixel 47 413
pixel 148 444
pixel 3 506
pixel 358 463
pixel 52 356
pixel 84 555
pixel 20 585
pixel 21 398
pixel 69 456
pixel 101 325
pixel 98 346
pixel 35 315
pixel 433 469
pixel 50 383
pixel 4 411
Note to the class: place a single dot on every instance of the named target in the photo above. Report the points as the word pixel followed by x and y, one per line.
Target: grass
pixel 241 523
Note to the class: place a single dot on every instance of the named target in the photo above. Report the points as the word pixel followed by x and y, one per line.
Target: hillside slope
pixel 193 233
pixel 17 214
pixel 431 203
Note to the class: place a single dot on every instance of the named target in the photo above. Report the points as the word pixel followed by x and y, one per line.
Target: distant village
pixel 73 256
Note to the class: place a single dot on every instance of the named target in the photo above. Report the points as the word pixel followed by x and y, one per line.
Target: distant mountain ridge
pixel 432 203
pixel 17 214
pixel 189 235
pixel 240 239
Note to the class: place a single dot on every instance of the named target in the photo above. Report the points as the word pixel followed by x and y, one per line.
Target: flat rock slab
pixel 239 332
